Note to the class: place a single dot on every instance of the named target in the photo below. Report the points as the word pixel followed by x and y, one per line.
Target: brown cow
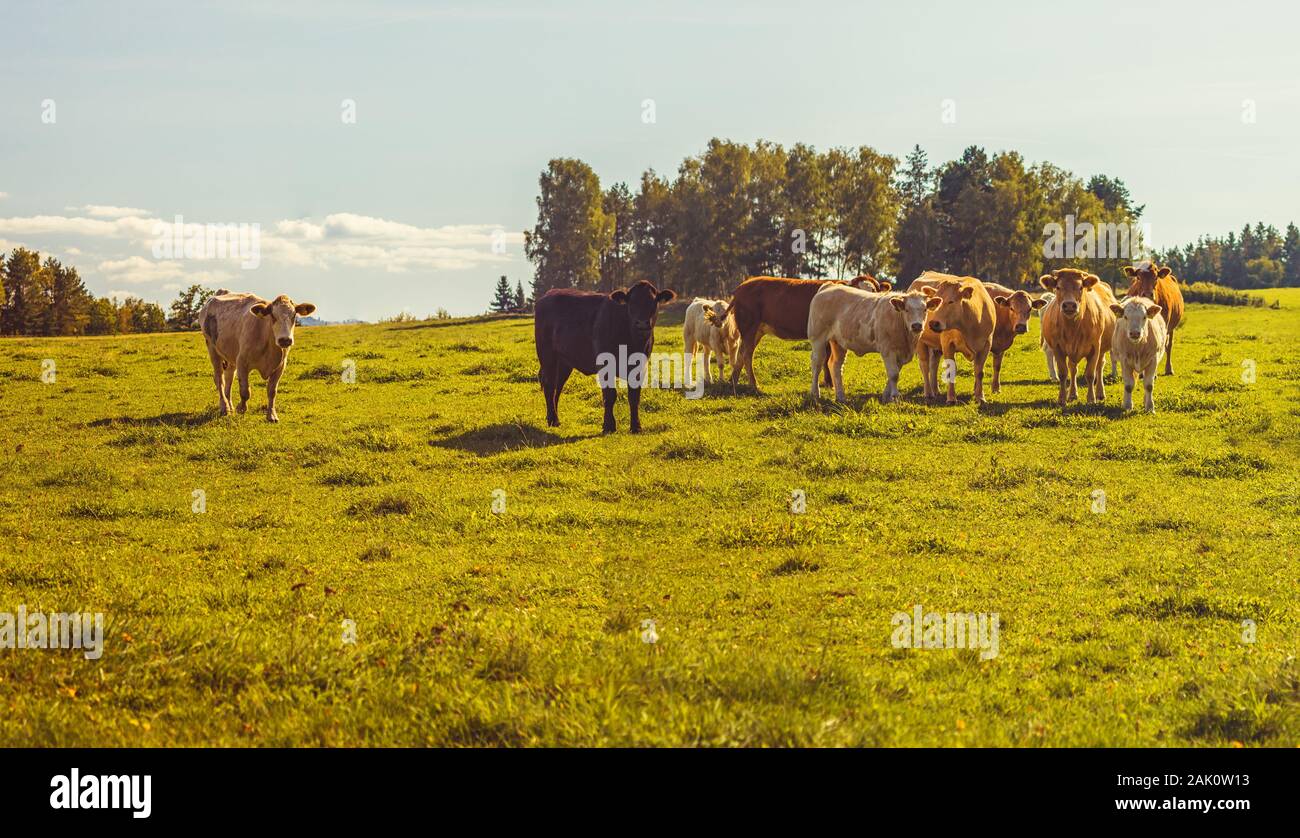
pixel 1014 309
pixel 243 332
pixel 1161 285
pixel 1078 325
pixel 963 307
pixel 779 306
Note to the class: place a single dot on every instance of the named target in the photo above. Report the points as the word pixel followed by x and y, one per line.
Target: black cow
pixel 591 333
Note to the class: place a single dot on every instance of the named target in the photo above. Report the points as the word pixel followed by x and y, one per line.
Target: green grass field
pixel 372 502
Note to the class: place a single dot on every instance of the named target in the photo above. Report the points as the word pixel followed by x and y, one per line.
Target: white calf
pixel 1139 344
pixel 842 319
pixel 698 332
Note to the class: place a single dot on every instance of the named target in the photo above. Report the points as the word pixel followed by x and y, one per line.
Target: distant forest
pixel 740 210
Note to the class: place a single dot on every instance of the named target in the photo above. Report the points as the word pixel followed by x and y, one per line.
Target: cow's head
pixel 867 282
pixel 945 303
pixel 1133 314
pixel 1143 277
pixel 642 302
pixel 283 315
pixel 1070 285
pixel 912 306
pixel 1018 308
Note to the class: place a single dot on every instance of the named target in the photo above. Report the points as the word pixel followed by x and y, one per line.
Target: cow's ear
pixel 304 309
pixel 1130 271
pixel 1038 303
pixel 885 285
pixel 260 310
pixel 1001 300
pixel 929 290
pixel 1153 310
pixel 1118 309
pixel 933 302
pixel 967 292
pixel 1163 272
pixel 897 303
pixel 619 296
pixel 1048 281
pixel 665 296
pixel 1090 280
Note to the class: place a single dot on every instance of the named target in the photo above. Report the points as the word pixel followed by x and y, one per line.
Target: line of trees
pixel 47 298
pixel 1257 257
pixel 740 210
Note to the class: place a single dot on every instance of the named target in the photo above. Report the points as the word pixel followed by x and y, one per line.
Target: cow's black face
pixel 642 303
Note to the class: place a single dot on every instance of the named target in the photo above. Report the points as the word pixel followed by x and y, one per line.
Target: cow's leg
pixel 609 395
pixel 634 408
pixel 272 385
pixel 1050 355
pixel 749 362
pixel 1149 381
pixel 923 357
pixel 1129 371
pixel 980 357
pixel 1100 381
pixel 219 378
pixel 707 353
pixel 560 375
pixel 836 368
pixel 892 367
pixel 1169 349
pixel 1091 372
pixel 817 361
pixel 742 356
pixel 949 364
pixel 997 372
pixel 1065 376
pixel 242 372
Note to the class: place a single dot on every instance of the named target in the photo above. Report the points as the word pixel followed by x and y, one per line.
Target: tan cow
pixel 1160 285
pixel 1139 343
pixel 1014 308
pixel 244 332
pixel 698 332
pixel 1078 326
pixel 843 319
pixel 963 306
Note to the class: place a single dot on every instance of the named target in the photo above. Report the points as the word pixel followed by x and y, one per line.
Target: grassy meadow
pixel 373 502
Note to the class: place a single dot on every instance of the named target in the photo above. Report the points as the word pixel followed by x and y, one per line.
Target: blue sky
pixel 231 112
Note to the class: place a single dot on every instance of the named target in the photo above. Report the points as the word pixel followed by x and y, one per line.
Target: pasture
pixel 373 502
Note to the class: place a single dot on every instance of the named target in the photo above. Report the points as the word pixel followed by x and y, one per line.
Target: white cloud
pixel 339 240
pixel 103 211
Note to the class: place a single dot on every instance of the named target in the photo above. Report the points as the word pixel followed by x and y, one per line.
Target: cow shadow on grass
pixel 171 420
pixel 503 438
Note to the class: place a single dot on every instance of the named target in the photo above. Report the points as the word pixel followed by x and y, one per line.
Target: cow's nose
pixel 916 327
pixel 1135 335
pixel 1021 329
pixel 936 327
pixel 285 342
pixel 1069 308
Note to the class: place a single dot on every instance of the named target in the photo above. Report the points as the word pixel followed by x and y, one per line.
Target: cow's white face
pixel 912 306
pixel 1132 316
pixel 283 315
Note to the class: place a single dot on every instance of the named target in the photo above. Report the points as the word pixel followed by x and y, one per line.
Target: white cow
pixel 1139 344
pixel 699 333
pixel 843 319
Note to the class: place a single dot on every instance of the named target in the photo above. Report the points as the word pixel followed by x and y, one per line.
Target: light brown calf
pixel 1014 309
pixel 1078 326
pixel 963 307
pixel 244 332
pixel 842 319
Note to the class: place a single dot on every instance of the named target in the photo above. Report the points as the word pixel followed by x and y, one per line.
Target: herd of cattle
pixel 936 318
